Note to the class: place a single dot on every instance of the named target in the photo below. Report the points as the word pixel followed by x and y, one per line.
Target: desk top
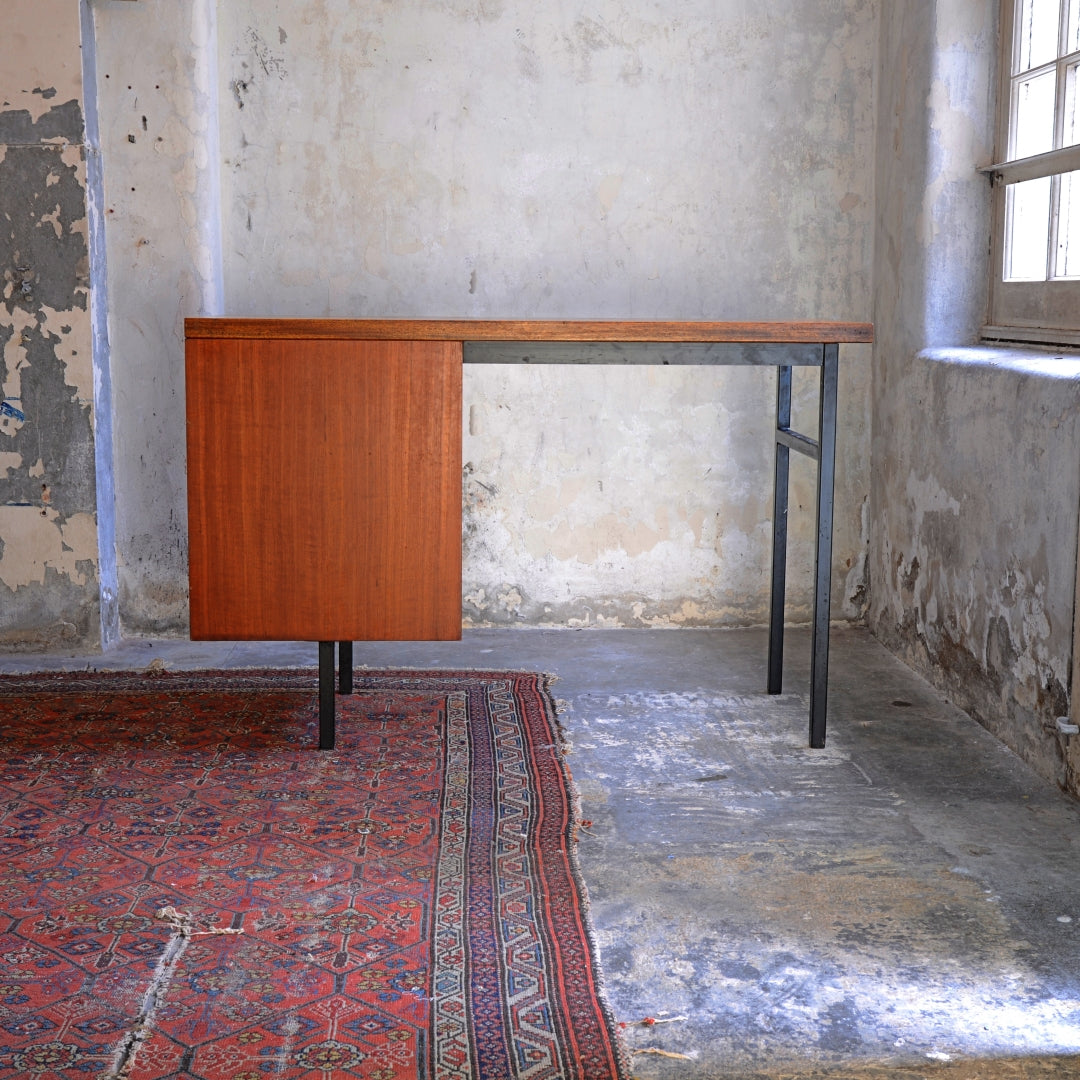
pixel 575 330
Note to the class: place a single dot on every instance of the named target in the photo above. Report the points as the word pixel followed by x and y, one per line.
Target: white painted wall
pixel 157 95
pixel 497 158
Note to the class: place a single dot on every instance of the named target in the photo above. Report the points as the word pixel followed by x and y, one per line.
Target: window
pixel 1035 293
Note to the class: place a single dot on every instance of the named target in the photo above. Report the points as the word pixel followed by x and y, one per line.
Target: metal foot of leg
pixel 326 695
pixel 345 663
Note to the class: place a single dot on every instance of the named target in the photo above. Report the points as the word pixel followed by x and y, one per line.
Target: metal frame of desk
pixel 784 345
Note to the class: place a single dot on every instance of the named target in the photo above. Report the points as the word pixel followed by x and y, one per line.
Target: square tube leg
pixel 819 671
pixel 779 538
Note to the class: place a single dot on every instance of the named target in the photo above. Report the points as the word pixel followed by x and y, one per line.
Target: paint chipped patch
pixel 70 331
pixel 45 542
pixel 49 553
pixel 511 601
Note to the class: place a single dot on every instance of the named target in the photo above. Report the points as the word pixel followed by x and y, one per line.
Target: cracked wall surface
pixel 979 546
pixel 975 495
pixel 507 160
pixel 48 530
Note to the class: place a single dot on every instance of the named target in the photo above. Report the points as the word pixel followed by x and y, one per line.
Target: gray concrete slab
pixel 900 904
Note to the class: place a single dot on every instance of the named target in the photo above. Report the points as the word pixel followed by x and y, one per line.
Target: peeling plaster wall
pixel 979 543
pixel 48 525
pixel 497 158
pixel 976 479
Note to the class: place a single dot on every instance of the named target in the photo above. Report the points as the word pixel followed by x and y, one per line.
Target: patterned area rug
pixel 191 890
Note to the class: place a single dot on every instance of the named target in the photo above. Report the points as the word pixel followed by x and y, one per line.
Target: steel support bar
pixel 819 671
pixel 345 663
pixel 754 354
pixel 326 695
pixel 779 537
pixel 794 441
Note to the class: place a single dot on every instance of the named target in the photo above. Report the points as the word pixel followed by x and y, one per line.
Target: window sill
pixel 1012 359
pixel 1033 337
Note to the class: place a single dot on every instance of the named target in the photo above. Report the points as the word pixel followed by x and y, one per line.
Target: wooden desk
pixel 324 469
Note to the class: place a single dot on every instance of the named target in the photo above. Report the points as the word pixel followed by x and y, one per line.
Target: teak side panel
pixel 324 489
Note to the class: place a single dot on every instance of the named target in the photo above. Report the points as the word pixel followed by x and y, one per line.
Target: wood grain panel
pixel 531 330
pixel 324 489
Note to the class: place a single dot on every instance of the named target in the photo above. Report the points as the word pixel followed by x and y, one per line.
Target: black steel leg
pixel 344 667
pixel 326 695
pixel 779 543
pixel 819 671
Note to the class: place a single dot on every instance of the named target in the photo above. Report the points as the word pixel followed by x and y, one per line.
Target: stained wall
pixel 497 158
pixel 49 580
pixel 975 493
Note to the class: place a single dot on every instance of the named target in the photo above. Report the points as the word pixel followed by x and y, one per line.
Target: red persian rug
pixel 191 890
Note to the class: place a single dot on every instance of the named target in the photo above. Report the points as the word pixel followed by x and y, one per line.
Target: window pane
pixel 1071 128
pixel 1072 28
pixel 1068 260
pixel 1037 33
pixel 1033 115
pixel 1027 236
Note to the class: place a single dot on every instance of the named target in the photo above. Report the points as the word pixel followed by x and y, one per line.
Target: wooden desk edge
pixel 530 330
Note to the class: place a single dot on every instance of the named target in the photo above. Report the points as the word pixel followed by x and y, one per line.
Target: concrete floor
pixel 901 904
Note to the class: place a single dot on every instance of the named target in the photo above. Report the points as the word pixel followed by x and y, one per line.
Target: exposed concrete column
pixel 103 409
pixel 207 249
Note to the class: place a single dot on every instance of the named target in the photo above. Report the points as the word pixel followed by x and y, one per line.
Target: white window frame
pixel 1036 311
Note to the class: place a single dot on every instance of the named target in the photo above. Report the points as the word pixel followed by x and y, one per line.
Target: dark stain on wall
pixel 56 435
pixel 1018 702
pixel 46 269
pixel 18 128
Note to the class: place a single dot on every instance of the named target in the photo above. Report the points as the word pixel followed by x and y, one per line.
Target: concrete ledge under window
pixel 979 475
pixel 1015 359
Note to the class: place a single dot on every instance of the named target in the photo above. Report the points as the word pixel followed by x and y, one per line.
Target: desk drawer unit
pixel 324 489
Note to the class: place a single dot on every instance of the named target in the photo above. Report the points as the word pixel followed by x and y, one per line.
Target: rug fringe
pixel 183 922
pixel 576 824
